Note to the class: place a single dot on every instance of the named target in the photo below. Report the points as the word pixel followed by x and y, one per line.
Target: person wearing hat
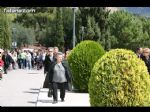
pixel 59 75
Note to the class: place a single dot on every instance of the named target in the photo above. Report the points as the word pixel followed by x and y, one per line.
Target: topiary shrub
pixel 81 60
pixel 119 78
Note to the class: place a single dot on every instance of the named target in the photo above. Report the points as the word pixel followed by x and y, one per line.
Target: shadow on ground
pixel 31 92
pixel 33 73
pixel 33 102
pixel 45 101
pixel 35 89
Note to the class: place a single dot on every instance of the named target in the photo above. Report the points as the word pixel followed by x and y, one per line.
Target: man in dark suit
pixel 49 59
pixel 59 75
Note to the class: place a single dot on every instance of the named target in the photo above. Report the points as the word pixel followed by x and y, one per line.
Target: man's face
pixel 56 50
pixel 146 53
pixel 59 58
pixel 50 52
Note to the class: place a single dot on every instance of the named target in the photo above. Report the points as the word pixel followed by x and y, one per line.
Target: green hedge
pixel 81 60
pixel 119 78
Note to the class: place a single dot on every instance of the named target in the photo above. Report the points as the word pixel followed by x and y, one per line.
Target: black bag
pixel 50 91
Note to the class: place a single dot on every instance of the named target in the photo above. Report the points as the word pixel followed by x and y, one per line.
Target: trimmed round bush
pixel 119 78
pixel 81 60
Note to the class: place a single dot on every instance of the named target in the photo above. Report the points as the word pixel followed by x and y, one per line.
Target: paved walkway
pixel 20 87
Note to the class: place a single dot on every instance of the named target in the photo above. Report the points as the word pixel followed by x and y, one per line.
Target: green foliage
pixel 41 16
pixel 90 29
pixel 59 33
pixel 119 78
pixel 95 19
pixel 38 21
pixel 146 30
pixel 51 24
pixel 81 61
pixel 5 31
pixel 67 15
pixel 128 30
pixel 23 35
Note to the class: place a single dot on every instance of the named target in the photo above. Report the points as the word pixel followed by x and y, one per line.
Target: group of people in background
pixel 144 54
pixel 56 68
pixel 22 59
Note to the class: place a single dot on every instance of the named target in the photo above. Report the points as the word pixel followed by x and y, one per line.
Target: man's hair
pixel 138 48
pixel 146 49
pixel 55 47
pixel 50 48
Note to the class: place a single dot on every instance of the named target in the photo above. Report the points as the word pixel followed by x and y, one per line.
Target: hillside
pixel 143 11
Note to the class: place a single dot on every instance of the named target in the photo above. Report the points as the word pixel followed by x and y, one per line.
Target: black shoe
pixel 62 100
pixel 55 101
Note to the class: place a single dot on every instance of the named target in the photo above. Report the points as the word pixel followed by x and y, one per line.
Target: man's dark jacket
pixel 47 64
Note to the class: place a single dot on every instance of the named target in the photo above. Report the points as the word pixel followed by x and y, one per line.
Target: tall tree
pixel 100 15
pixel 128 30
pixel 5 31
pixel 67 15
pixel 59 33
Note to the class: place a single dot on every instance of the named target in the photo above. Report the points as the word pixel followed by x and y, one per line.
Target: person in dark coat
pixel 7 61
pixel 49 59
pixel 146 58
pixel 59 75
